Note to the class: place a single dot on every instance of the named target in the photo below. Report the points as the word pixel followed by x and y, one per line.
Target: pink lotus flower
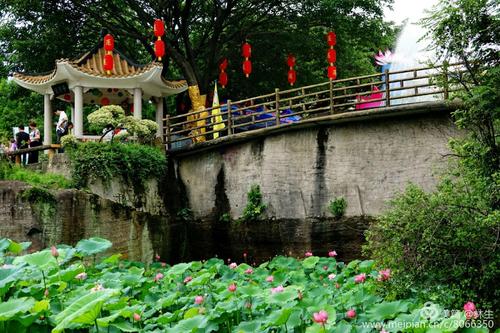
pixel 82 276
pixel 331 276
pixel 360 278
pixel 308 254
pixel 245 255
pixel 188 279
pixel 337 285
pixel 46 293
pixel 383 331
pixel 278 289
pixel 157 257
pixel 249 271
pixel 325 268
pixel 233 265
pixel 54 251
pixel 158 277
pixel 384 275
pixel 163 264
pixel 351 313
pixel 320 317
pixel 137 317
pixel 198 300
pixel 97 287
pixel 270 278
pixel 232 287
pixel 332 254
pixel 470 311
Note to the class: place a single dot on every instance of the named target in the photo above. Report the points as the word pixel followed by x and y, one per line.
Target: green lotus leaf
pixel 386 310
pixel 92 246
pixel 310 262
pixel 13 307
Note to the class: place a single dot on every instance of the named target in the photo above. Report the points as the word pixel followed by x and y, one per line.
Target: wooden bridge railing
pixel 331 97
pixel 17 153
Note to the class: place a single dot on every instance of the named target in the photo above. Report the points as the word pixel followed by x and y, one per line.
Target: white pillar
pixel 159 117
pixel 78 125
pixel 138 103
pixel 47 120
pixel 72 114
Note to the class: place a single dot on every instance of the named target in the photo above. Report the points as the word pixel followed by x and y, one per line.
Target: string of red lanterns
pixel 108 61
pixel 159 30
pixel 292 75
pixel 246 52
pixel 223 75
pixel 331 55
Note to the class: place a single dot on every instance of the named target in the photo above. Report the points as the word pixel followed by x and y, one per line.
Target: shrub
pixel 35 178
pixel 107 115
pixel 254 208
pixel 69 141
pixel 134 163
pixel 337 207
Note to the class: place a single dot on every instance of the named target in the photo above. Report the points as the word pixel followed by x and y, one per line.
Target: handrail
pixel 17 153
pixel 331 97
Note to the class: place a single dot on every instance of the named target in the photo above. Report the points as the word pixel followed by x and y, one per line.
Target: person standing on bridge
pixel 61 125
pixel 34 142
pixel 22 139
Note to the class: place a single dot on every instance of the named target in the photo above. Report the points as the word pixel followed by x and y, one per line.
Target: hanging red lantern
pixel 223 79
pixel 105 101
pixel 332 72
pixel 290 61
pixel 108 63
pixel 247 67
pixel 246 50
pixel 159 28
pixel 223 64
pixel 159 49
pixel 331 38
pixel 109 42
pixel 331 56
pixel 292 76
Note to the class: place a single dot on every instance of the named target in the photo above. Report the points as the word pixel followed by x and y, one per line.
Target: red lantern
pixel 331 56
pixel 223 64
pixel 247 67
pixel 332 72
pixel 292 76
pixel 67 97
pixel 108 63
pixel 290 60
pixel 105 101
pixel 159 49
pixel 331 38
pixel 159 28
pixel 246 50
pixel 109 42
pixel 223 79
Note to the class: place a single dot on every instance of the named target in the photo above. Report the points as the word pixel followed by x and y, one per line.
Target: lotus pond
pixel 65 289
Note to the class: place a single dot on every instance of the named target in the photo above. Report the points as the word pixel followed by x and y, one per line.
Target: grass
pixel 35 178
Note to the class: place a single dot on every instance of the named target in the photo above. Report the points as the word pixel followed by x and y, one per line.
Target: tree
pixel 200 32
pixel 450 237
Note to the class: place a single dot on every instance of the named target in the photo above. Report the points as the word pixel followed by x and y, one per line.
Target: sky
pixel 411 9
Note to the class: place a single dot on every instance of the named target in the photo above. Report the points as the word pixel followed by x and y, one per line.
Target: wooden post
pixel 277 92
pixel 445 80
pixel 387 89
pixel 331 95
pixel 18 159
pixel 167 139
pixel 229 118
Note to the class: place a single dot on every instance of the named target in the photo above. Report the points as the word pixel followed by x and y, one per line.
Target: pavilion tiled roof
pixel 91 63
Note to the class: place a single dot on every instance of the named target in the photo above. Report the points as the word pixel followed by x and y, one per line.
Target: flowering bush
pixel 69 141
pixel 58 290
pixel 106 115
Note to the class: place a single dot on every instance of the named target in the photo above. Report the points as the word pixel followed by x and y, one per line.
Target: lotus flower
pixel 270 278
pixel 278 289
pixel 163 264
pixel 54 251
pixel 470 310
pixel 137 317
pixel 81 276
pixel 157 257
pixel 337 285
pixel 232 287
pixel 97 287
pixel 331 276
pixel 332 254
pixel 233 265
pixel 46 293
pixel 320 317
pixel 198 300
pixel 383 331
pixel 360 278
pixel 158 277
pixel 384 275
pixel 249 271
pixel 308 254
pixel 351 313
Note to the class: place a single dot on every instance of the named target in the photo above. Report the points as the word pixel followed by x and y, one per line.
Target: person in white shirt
pixel 61 125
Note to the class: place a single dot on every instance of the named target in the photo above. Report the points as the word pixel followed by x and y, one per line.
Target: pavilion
pixel 84 81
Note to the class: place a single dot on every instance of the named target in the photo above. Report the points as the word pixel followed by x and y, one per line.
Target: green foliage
pixel 185 214
pixel 69 141
pixel 337 207
pixel 38 195
pixel 134 163
pixel 73 295
pixel 35 178
pixel 255 207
